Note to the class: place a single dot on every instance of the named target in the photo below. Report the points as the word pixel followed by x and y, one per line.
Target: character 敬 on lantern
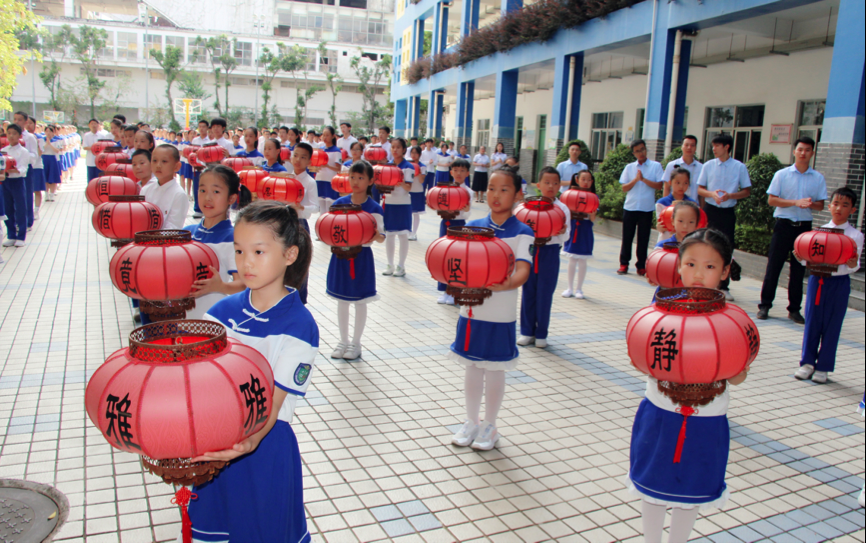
pixel 351 226
pixel 485 261
pixel 583 202
pixel 824 251
pixel 692 345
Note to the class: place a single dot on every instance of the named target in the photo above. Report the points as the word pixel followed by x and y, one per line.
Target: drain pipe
pixel 571 66
pixel 672 103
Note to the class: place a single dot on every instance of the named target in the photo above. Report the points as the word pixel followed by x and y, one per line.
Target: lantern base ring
pixel 540 242
pixel 448 215
pixel 182 471
pixel 469 297
pixel 169 308
pixel 385 189
pixel 118 243
pixel 694 395
pixel 579 216
pixel 346 253
pixel 822 270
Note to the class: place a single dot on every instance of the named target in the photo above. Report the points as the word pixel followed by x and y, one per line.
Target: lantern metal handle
pixel 695 301
pixel 142 346
pixel 133 198
pixel 471 233
pixel 163 237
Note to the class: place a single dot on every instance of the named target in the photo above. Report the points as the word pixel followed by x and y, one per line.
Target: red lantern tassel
pixel 818 294
pixel 576 224
pixel 468 331
pixel 686 412
pixel 182 498
pixel 352 268
pixel 536 259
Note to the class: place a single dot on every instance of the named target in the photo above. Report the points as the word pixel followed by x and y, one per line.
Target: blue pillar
pixel 414 122
pixel 400 108
pixel 511 5
pixel 435 109
pixel 659 85
pixel 682 87
pixel 469 22
pixel 440 28
pixel 465 107
pixel 844 115
pixel 418 42
pixel 505 110
pixel 561 93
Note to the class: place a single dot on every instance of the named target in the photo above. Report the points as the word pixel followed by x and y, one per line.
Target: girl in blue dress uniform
pixel 492 347
pixel 417 194
pixel 50 161
pixel 578 247
pixel 327 195
pixel 219 188
pixel 697 481
pixel 398 211
pixel 251 140
pixel 273 161
pixel 356 154
pixel 258 497
pixel 359 290
pixel 443 164
pixel 460 173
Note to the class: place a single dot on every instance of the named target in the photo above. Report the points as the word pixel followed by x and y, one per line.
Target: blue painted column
pixel 418 42
pixel 465 107
pixel 414 118
pixel 561 92
pixel 655 121
pixel 469 22
pixel 400 108
pixel 505 110
pixel 440 28
pixel 435 110
pixel 682 87
pixel 511 5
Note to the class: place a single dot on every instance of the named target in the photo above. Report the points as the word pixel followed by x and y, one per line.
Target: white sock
pixel 582 267
pixel 343 320
pixel 653 521
pixel 360 323
pixel 323 205
pixel 494 394
pixel 682 523
pixel 390 241
pixel 572 267
pixel 404 249
pixel 416 222
pixel 474 390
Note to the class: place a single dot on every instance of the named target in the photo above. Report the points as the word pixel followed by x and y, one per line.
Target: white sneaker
pixel 567 293
pixel 819 377
pixel 579 295
pixel 487 438
pixel 805 372
pixel 389 270
pixel 413 237
pixel 442 300
pixel 541 343
pixel 728 296
pixel 400 271
pixel 449 300
pixel 9 243
pixel 466 435
pixel 36 214
pixel 19 243
pixel 340 351
pixel 523 341
pixel 861 500
pixel 353 352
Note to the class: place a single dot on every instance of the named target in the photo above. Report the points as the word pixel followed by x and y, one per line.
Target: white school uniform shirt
pixel 730 176
pixel 286 335
pixel 30 145
pixel 497 156
pixel 387 147
pixel 464 215
pixel 443 162
pixel 171 200
pixel 854 234
pixel 345 144
pixel 400 197
pixel 227 145
pixel 221 239
pixel 482 159
pixel 418 181
pixel 335 158
pixel 694 170
pixel 428 158
pixel 789 184
pixel 311 196
pixel 641 197
pixel 40 144
pixel 560 240
pixel 151 181
pixel 198 140
pixel 89 139
pixel 22 160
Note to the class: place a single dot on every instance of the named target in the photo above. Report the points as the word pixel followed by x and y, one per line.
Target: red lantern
pixel 344 155
pixel 124 170
pixel 181 389
pixel 210 152
pixel 483 260
pixel 544 217
pixel 102 146
pixel 691 342
pixel 580 201
pixel 4 141
pixel 190 149
pixel 104 160
pixel 663 267
pixel 387 177
pixel 281 187
pixel 9 163
pixel 237 163
pixel 195 162
pixel 447 199
pixel 101 188
pixel 824 250
pixel 122 217
pixel 346 229
pixel 318 160
pixel 667 218
pixel 159 269
pixel 340 183
pixel 375 155
pixel 285 154
pixel 251 178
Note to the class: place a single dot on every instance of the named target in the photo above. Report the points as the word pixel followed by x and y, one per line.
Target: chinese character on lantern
pixel 664 349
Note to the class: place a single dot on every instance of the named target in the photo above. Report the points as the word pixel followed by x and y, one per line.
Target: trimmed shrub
pixel 754 210
pixel 753 239
pixel 585 155
pixel 607 182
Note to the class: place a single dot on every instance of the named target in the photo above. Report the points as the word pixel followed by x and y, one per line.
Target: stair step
pixel 857 301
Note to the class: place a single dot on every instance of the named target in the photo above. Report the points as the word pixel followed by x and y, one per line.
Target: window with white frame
pixel 177 41
pixel 127 46
pixel 482 133
pixel 743 123
pixel 244 53
pixel 152 41
pixel 107 52
pixel 810 121
pixel 606 133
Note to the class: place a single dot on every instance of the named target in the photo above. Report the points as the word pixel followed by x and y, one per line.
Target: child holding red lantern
pixel 300 162
pixel 14 188
pixel 141 160
pixel 273 160
pixel 326 173
pixel 359 290
pixel 259 495
pixel 679 183
pixel 166 193
pixel 219 188
pixel 537 296
pixel 824 320
pixel 460 173
pixel 251 151
pixel 492 349
pixel 417 193
pixel 695 480
pixel 398 211
pixel 578 247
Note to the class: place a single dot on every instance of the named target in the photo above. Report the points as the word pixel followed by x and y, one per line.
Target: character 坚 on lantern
pixel 824 250
pixel 122 217
pixel 347 229
pixel 180 390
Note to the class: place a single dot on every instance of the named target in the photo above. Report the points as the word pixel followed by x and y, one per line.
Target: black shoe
pixel 736 271
pixel 796 317
pixel 763 314
pixel 136 316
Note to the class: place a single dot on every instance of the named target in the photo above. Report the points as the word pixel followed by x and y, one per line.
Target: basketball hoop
pixel 187 107
pixel 54 117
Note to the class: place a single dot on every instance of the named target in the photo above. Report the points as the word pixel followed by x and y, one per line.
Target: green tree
pixel 191 85
pixel 54 50
pixel 170 62
pixel 283 59
pixel 335 84
pixel 14 21
pixel 607 182
pixel 218 51
pixel 372 79
pixel 85 49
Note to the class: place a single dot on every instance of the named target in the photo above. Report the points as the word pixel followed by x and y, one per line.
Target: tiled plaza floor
pixel 375 433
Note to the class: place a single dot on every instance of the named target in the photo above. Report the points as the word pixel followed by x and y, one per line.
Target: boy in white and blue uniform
pixel 221 239
pixel 460 172
pixel 827 297
pixel 428 158
pixel 288 337
pixel 15 189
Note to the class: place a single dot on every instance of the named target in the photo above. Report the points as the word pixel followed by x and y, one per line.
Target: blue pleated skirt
pixel 419 202
pixel 443 177
pixel 51 168
pixel 493 345
pixel 581 240
pixel 398 218
pixel 360 289
pixel 326 191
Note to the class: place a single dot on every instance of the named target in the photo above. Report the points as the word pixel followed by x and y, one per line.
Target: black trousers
pixel 781 246
pixel 642 221
pixel 725 221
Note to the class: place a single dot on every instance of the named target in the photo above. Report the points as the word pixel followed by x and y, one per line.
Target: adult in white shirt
pixel 571 167
pixel 347 139
pixel 686 162
pixel 497 160
pixel 640 180
pixel 479 180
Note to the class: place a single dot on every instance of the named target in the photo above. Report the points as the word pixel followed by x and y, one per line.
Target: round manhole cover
pixel 27 515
